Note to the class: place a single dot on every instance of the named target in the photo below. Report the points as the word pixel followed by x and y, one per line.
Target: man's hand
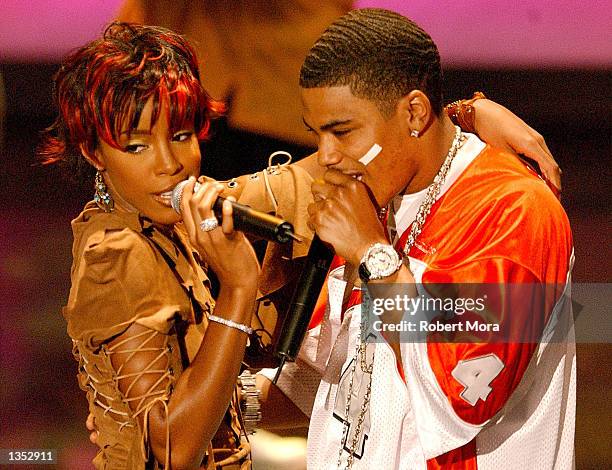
pixel 90 424
pixel 501 128
pixel 344 215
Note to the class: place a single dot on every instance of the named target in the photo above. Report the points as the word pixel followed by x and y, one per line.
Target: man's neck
pixel 434 147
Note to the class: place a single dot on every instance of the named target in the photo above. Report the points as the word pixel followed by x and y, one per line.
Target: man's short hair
pixel 380 54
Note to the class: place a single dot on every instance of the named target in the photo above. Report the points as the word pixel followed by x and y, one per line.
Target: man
pixel 458 211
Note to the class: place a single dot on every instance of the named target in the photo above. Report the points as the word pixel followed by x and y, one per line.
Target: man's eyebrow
pixel 329 125
pixel 307 125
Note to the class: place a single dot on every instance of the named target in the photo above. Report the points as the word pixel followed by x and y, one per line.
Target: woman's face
pixel 140 178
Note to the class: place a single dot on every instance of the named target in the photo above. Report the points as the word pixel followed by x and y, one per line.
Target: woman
pixel 158 356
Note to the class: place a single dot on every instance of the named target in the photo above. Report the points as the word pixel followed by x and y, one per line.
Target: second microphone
pixel 246 219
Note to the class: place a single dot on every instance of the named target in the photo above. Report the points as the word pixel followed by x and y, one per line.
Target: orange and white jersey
pixel 468 405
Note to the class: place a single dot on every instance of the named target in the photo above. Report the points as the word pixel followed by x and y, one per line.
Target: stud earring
pixel 101 196
pixel 414 133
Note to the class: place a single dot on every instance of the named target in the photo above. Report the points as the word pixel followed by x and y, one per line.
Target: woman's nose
pixel 167 163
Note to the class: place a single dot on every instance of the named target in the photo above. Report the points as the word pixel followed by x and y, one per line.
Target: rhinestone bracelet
pixel 462 112
pixel 232 324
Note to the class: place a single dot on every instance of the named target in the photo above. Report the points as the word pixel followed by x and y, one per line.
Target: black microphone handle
pixel 256 223
pixel 304 300
pixel 245 219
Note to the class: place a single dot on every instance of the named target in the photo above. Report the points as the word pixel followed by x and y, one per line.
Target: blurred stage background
pixel 549 62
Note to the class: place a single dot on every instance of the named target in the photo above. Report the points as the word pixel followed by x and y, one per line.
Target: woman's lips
pixel 164 198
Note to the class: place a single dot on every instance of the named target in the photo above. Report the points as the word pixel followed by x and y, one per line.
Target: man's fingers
pixel 321 190
pixel 90 423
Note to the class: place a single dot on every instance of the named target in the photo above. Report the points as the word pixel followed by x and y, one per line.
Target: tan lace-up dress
pixel 125 271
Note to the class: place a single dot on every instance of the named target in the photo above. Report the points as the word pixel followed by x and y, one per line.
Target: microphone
pixel 307 291
pixel 303 302
pixel 246 220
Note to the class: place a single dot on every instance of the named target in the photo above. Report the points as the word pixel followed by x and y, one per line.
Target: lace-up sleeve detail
pixel 144 373
pixel 130 301
pixel 285 191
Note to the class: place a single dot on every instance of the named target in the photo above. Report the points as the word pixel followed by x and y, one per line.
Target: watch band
pixel 364 273
pixel 249 402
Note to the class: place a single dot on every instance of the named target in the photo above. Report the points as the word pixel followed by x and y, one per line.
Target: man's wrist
pixel 359 253
pixel 379 261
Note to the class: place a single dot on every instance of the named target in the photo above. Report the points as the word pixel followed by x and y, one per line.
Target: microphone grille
pixel 177 194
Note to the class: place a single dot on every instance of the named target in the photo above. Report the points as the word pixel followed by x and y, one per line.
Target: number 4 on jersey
pixel 475 375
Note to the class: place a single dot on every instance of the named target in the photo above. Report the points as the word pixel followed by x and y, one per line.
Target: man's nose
pixel 327 153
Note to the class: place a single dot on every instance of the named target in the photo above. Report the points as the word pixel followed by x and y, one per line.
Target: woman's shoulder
pixel 94 227
pixel 118 277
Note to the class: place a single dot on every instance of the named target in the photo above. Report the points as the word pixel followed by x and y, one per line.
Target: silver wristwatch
pixel 249 402
pixel 379 261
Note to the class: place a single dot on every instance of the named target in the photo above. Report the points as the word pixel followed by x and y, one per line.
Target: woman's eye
pixel 182 136
pixel 135 148
pixel 341 132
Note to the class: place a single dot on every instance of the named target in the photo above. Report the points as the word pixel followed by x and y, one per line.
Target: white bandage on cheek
pixel 371 154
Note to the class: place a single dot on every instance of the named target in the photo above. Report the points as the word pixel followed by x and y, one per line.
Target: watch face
pixel 381 261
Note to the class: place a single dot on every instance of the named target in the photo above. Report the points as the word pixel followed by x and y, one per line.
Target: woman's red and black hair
pixel 101 89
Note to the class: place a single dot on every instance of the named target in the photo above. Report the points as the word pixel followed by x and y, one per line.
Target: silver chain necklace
pixel 433 191
pixel 360 351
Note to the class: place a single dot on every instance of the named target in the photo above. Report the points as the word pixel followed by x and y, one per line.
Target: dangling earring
pixel 414 133
pixel 101 196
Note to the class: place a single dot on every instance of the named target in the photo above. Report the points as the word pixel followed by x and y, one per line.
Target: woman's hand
pixel 501 128
pixel 229 253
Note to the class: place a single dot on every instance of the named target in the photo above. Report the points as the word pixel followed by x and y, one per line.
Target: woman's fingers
pixel 227 224
pixel 205 199
pixel 186 197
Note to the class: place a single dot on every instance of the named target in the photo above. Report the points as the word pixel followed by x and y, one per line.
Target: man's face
pixel 346 127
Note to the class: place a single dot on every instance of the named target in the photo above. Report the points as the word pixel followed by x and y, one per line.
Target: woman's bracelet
pixel 462 112
pixel 232 324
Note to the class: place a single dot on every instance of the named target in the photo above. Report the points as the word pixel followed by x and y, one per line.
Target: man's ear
pixel 95 159
pixel 415 111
